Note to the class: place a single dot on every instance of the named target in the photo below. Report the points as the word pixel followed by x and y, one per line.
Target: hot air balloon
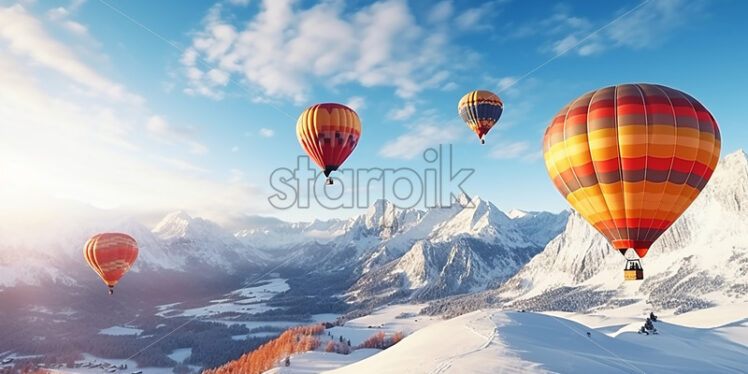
pixel 111 255
pixel 630 159
pixel 328 133
pixel 480 110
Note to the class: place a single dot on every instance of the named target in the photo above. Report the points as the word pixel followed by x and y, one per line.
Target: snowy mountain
pixel 382 254
pixel 457 250
pixel 701 261
pixel 201 242
pixel 274 234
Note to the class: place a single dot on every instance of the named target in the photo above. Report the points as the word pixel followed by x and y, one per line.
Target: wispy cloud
pixel 356 103
pixel 403 113
pixel 415 141
pixel 159 127
pixel 516 150
pixel 647 26
pixel 25 36
pixel 284 50
pixel 441 12
pixel 267 133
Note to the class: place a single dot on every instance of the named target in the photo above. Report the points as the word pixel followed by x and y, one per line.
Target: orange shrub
pixel 294 340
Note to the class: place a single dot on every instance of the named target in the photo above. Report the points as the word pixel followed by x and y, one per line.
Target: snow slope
pixel 496 341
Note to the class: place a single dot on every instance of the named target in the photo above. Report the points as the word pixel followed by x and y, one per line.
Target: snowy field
pixel 181 354
pixel 95 361
pixel 712 340
pixel 120 331
pixel 248 300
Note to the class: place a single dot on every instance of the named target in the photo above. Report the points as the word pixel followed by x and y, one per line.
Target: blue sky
pixel 157 106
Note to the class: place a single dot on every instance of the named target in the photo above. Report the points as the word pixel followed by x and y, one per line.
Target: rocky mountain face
pixel 701 261
pixel 467 247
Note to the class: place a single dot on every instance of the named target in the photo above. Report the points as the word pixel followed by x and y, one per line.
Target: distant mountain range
pixel 525 259
pixel 384 254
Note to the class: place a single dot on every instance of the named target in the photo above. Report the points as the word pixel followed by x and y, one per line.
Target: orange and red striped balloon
pixel 111 255
pixel 328 133
pixel 631 158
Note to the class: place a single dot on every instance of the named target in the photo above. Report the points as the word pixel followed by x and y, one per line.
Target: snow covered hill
pixel 496 341
pixel 701 261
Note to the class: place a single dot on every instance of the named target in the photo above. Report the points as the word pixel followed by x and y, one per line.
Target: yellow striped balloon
pixel 328 133
pixel 631 158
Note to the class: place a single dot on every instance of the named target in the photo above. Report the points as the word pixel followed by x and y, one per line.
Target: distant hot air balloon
pixel 480 110
pixel 328 133
pixel 630 159
pixel 111 255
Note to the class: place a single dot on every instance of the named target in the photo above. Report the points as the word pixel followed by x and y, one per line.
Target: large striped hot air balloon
pixel 480 110
pixel 630 159
pixel 111 255
pixel 328 133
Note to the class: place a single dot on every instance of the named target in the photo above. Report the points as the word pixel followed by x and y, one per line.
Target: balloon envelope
pixel 328 133
pixel 480 110
pixel 631 158
pixel 111 255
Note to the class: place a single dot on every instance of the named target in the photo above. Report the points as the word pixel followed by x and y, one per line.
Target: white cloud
pixel 476 18
pixel 469 19
pixel 441 12
pixel 449 86
pixel 160 128
pixel 356 103
pixel 506 83
pixel 516 150
pixel 239 2
pixel 267 133
pixel 26 37
pixel 417 140
pixel 75 28
pixel 647 26
pixel 284 50
pixel 403 113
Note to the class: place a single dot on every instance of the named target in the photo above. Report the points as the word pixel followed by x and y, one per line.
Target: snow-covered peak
pixel 180 225
pixel 462 199
pixel 516 213
pixel 173 225
pixel 381 213
pixel 481 220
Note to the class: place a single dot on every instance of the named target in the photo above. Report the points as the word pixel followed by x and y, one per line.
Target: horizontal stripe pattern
pixel 631 158
pixel 480 110
pixel 328 133
pixel 111 255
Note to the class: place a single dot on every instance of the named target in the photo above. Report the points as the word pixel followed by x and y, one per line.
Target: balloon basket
pixel 329 181
pixel 633 270
pixel 483 141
